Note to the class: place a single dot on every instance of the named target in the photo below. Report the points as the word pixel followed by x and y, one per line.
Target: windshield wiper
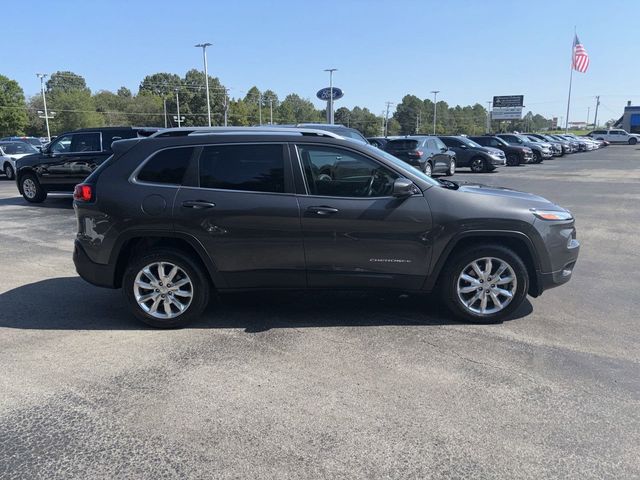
pixel 448 184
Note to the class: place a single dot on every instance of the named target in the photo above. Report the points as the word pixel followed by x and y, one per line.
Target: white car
pixel 10 152
pixel 616 135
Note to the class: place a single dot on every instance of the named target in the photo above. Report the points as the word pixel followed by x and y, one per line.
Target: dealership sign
pixel 507 107
pixel 325 93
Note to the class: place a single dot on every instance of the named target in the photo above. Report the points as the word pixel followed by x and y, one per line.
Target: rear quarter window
pixel 167 166
pixel 402 144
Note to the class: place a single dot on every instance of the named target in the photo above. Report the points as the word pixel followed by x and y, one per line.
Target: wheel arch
pixel 519 242
pixel 138 242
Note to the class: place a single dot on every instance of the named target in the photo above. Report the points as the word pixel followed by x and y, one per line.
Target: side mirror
pixel 403 187
pixel 463 146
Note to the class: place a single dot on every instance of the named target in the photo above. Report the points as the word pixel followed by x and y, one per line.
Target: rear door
pixel 242 209
pixel 440 156
pixel 356 234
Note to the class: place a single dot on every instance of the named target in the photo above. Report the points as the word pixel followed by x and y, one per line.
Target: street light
pixel 435 109
pixel 42 76
pixel 206 76
pixel 330 70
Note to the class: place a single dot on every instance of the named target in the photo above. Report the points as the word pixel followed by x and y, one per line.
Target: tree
pixel 162 84
pixel 74 109
pixel 295 109
pixel 124 92
pixel 65 82
pixel 13 109
pixel 194 94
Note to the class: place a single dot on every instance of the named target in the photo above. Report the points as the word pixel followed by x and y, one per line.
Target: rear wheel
pixel 8 171
pixel 32 191
pixel 166 288
pixel 633 141
pixel 478 165
pixel 428 169
pixel 452 167
pixel 485 284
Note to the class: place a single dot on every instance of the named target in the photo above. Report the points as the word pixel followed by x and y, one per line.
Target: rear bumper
pixel 94 273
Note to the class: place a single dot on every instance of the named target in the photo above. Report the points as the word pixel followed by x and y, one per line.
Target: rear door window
pixel 167 166
pixel 251 168
pixel 85 142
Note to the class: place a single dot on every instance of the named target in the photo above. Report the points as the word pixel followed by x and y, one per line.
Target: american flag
pixel 580 59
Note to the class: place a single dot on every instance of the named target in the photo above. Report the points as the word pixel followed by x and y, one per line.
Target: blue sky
pixel 469 50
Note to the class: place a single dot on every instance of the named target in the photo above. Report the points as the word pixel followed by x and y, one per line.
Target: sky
pixel 469 50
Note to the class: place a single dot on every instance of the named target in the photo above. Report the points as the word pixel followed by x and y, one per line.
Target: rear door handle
pixel 198 204
pixel 322 210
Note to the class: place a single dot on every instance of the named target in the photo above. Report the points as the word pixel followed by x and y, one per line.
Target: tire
pixel 428 169
pixel 537 157
pixel 463 305
pixel 8 171
pixel 633 141
pixel 513 160
pixel 478 165
pixel 31 189
pixel 452 167
pixel 188 270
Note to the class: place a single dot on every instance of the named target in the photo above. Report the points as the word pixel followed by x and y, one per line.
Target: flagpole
pixel 573 47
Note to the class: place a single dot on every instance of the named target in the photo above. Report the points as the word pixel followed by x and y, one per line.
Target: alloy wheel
pixel 486 285
pixel 427 169
pixel 163 290
pixel 29 188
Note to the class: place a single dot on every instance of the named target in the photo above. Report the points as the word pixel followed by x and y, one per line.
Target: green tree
pixel 74 109
pixel 295 109
pixel 239 113
pixel 13 109
pixel 65 82
pixel 193 93
pixel 161 83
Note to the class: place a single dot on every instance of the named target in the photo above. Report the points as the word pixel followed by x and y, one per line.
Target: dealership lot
pixel 349 385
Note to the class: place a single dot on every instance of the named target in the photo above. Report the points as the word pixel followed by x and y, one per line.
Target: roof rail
pixel 188 131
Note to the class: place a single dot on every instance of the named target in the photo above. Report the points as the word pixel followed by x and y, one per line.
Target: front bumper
pixel 94 273
pixel 564 251
pixel 497 161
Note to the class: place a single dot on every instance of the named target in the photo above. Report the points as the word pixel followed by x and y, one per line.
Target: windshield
pixel 399 163
pixel 468 142
pixel 523 138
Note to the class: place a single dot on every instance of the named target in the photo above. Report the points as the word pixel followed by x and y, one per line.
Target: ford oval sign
pixel 325 93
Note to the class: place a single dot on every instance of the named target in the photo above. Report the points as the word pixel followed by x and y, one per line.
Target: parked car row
pixel 444 154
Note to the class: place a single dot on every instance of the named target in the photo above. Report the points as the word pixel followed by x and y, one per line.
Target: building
pixel 630 120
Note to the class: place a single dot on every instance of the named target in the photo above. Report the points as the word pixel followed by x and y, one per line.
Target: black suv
pixel 473 155
pixel 428 154
pixel 68 160
pixel 515 154
pixel 170 218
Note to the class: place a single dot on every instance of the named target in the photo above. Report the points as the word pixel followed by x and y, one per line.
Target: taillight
pixel 83 192
pixel 415 153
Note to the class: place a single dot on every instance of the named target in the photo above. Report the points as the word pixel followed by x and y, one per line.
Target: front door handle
pixel 322 210
pixel 197 204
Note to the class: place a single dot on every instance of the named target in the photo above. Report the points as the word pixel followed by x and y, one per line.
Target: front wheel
pixel 513 160
pixel 166 288
pixel 478 165
pixel 31 189
pixel 8 171
pixel 428 169
pixel 633 141
pixel 452 167
pixel 537 157
pixel 485 284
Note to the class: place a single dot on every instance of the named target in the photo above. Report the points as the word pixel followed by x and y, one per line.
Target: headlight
pixel 552 214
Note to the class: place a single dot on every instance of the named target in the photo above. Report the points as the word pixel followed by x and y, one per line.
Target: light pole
pixel 260 108
pixel 595 117
pixel 42 76
pixel 206 76
pixel 178 106
pixel 435 109
pixel 330 70
pixel 489 103
pixel 270 111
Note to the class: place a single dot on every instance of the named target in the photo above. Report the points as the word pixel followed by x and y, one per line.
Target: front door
pixel 70 160
pixel 356 234
pixel 243 211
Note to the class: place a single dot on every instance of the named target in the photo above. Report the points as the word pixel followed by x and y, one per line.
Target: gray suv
pixel 172 217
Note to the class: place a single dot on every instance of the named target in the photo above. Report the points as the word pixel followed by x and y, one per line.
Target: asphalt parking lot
pixel 346 385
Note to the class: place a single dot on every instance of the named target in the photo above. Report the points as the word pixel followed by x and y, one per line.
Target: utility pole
pixel 178 107
pixel 330 103
pixel 270 111
pixel 164 106
pixel 206 78
pixel 382 124
pixel 489 104
pixel 42 76
pixel 435 108
pixel 595 118
pixel 386 119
